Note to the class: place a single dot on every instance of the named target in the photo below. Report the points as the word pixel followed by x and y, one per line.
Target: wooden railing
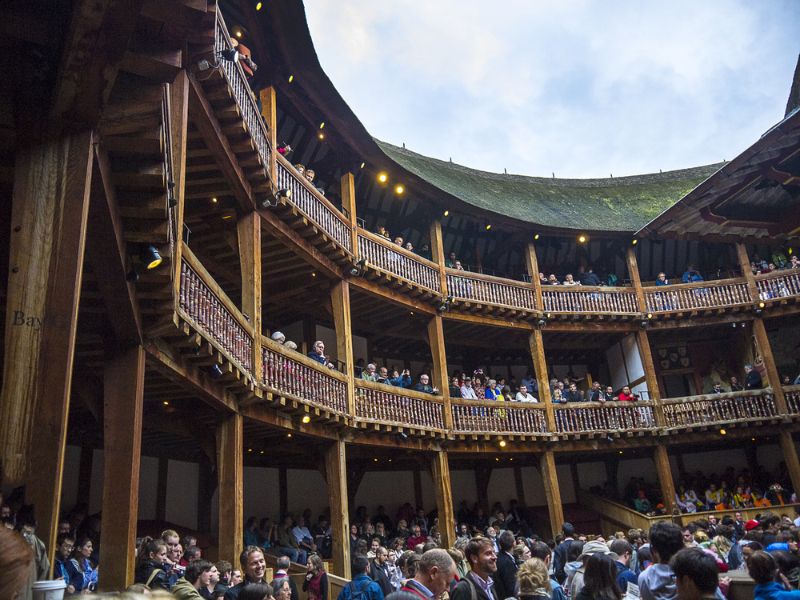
pixel 313 204
pixel 380 403
pixel 730 407
pixel 242 94
pixel 700 295
pixel 289 372
pixel 487 289
pixel 587 417
pixel 588 299
pixel 475 416
pixel 615 514
pixel 207 306
pixel 382 254
pixel 792 393
pixel 780 284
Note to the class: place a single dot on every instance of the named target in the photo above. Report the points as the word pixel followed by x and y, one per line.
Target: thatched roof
pixel 609 204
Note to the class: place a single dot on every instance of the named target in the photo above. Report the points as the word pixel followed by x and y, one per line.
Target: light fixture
pixel 791 251
pixel 216 372
pixel 649 315
pixel 150 257
pixel 582 239
pixel 238 33
pixel 358 267
pixel 288 435
pixel 374 460
pixel 644 323
pixel 259 5
pixel 503 443
pixel 541 322
pixel 249 449
pixel 214 200
pixel 383 177
pixel 363 164
pixel 447 213
pixel 488 226
pixel 321 135
pixel 762 304
pixel 322 125
pixel 634 242
pixel 313 273
pixel 402 435
pixel 535 236
pixel 291 78
pixel 165 403
pixel 306 419
pixel 399 189
pixel 759 308
pixel 229 54
pixel 723 432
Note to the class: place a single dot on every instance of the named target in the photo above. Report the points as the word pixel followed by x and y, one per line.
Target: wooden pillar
pixel 653 391
pixel 519 485
pixel 248 231
pixel 439 375
pixel 348 189
pixel 230 475
pixel 665 481
pixel 636 281
pixel 773 379
pixel 437 253
pixel 340 301
pixel 123 400
pixel 532 263
pixel 336 475
pixel 536 344
pixel 440 470
pixel 161 488
pixel 552 491
pixel 789 450
pixel 269 110
pixel 179 124
pixel 49 215
pixel 747 271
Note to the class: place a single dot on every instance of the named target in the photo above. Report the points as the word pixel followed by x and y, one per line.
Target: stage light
pixel 214 200
pixel 288 435
pixel 634 242
pixel 150 257
pixel 358 268
pixel 306 419
pixel 383 177
pixel 165 403
pixel 259 5
pixel 649 315
pixel 582 239
pixel 447 213
pixel 723 432
pixel 363 164
pixel 536 237
pixel 399 189
pixel 291 78
pixel 229 54
pixel 313 274
pixel 503 443
pixel 321 135
pixel 488 226
pixel 762 304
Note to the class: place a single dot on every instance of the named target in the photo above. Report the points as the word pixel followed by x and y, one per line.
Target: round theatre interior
pixel 156 236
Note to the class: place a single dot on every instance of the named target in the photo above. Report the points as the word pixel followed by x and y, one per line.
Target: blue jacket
pixel 774 591
pixel 363 587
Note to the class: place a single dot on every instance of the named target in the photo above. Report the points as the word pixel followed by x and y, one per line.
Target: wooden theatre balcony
pixel 702 296
pixel 624 418
pixel 486 294
pixel 398 267
pixel 397 408
pixel 510 418
pixel 712 410
pixel 563 301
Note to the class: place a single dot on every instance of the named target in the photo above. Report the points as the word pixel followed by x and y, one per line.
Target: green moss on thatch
pixel 614 204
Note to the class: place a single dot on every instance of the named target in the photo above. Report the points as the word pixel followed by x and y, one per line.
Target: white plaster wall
pixel 372 491
pixel 261 494
pixel 591 474
pixel 534 487
pixel 769 457
pixel 148 487
pixel 616 366
pixel 565 484
pixel 636 467
pixel 462 483
pixel 633 360
pixel 307 489
pixel 181 501
pixel 714 461
pixel 328 336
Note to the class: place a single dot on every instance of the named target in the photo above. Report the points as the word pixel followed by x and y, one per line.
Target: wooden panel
pixel 440 470
pixel 178 121
pixel 336 476
pixel 269 110
pixel 230 476
pixel 636 281
pixel 123 390
pixel 665 480
pixel 48 232
pixel 552 491
pixel 747 271
pixel 348 189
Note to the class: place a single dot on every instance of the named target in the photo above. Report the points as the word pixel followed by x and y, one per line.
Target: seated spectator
pixel 425 386
pixel 794 262
pixel 490 393
pixel 589 277
pixel 151 564
pixel 278 336
pixel 467 390
pixel 82 575
pixel 398 240
pixel 529 381
pixel 542 278
pixel 609 394
pixel 574 394
pixel 552 280
pixel 626 395
pixel 459 267
pixel 61 569
pixel 596 393
pixel 505 394
pixel 287 542
pixel 569 280
pixel 451 260
pixel 752 378
pixel 524 396
pixel 717 389
pixel 455 388
pixel 662 279
pixel 383 232
pixel 318 354
pixel 400 380
pixel 409 246
pixel 557 397
pixel 416 537
pixel 369 373
pixel 696 574
pixel 691 275
pixel 425 251
pixel 642 504
pixel 735 385
pixel 303 536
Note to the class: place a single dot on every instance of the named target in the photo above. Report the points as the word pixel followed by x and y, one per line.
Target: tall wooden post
pixel 747 271
pixel 123 383
pixel 437 253
pixel 440 470
pixel 49 216
pixel 664 471
pixel 230 476
pixel 532 263
pixel 179 129
pixel 789 450
pixel 340 301
pixel 439 375
pixel 269 110
pixel 552 491
pixel 336 475
pixel 536 344
pixel 636 280
pixel 773 379
pixel 249 236
pixel 348 188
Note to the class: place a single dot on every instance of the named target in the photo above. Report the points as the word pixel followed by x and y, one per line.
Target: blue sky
pixel 580 88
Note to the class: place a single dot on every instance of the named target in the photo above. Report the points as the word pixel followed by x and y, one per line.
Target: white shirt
pixel 468 392
pixel 525 398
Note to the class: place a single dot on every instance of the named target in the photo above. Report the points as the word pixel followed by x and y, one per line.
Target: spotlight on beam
pixel 150 257
pixel 358 268
pixel 230 54
pixel 306 419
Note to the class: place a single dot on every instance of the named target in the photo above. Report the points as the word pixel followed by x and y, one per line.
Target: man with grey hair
pixel 368 374
pixel 318 354
pixel 752 378
pixel 435 571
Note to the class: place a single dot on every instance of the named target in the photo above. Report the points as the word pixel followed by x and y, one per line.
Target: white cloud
pixel 583 88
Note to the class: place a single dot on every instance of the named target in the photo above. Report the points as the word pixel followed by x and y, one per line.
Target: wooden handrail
pixel 384 387
pixel 484 277
pixel 776 274
pixel 482 416
pixel 380 253
pixel 618 513
pixel 396 248
pixel 381 403
pixel 695 284
pixel 742 394
pixel 618 289
pixel 733 407
pixel 587 417
pixel 589 299
pixel 488 289
pixel 298 356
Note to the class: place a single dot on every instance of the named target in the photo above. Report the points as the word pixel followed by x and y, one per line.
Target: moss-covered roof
pixel 612 204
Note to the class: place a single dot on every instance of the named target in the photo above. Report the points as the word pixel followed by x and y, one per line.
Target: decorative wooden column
pixel 552 491
pixel 439 375
pixel 747 271
pixel 269 110
pixel 340 301
pixel 773 378
pixel 336 476
pixel 532 263
pixel 230 476
pixel 437 253
pixel 440 470
pixel 789 450
pixel 536 344
pixel 665 481
pixel 248 231
pixel 636 280
pixel 123 384
pixel 348 189
pixel 50 203
pixel 179 124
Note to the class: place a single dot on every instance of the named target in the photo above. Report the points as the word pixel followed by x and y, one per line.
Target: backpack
pixel 359 593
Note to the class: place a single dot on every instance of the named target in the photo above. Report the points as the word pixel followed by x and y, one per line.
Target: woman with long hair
pixel 82 575
pixel 316 581
pixel 151 564
pixel 533 580
pixel 600 579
